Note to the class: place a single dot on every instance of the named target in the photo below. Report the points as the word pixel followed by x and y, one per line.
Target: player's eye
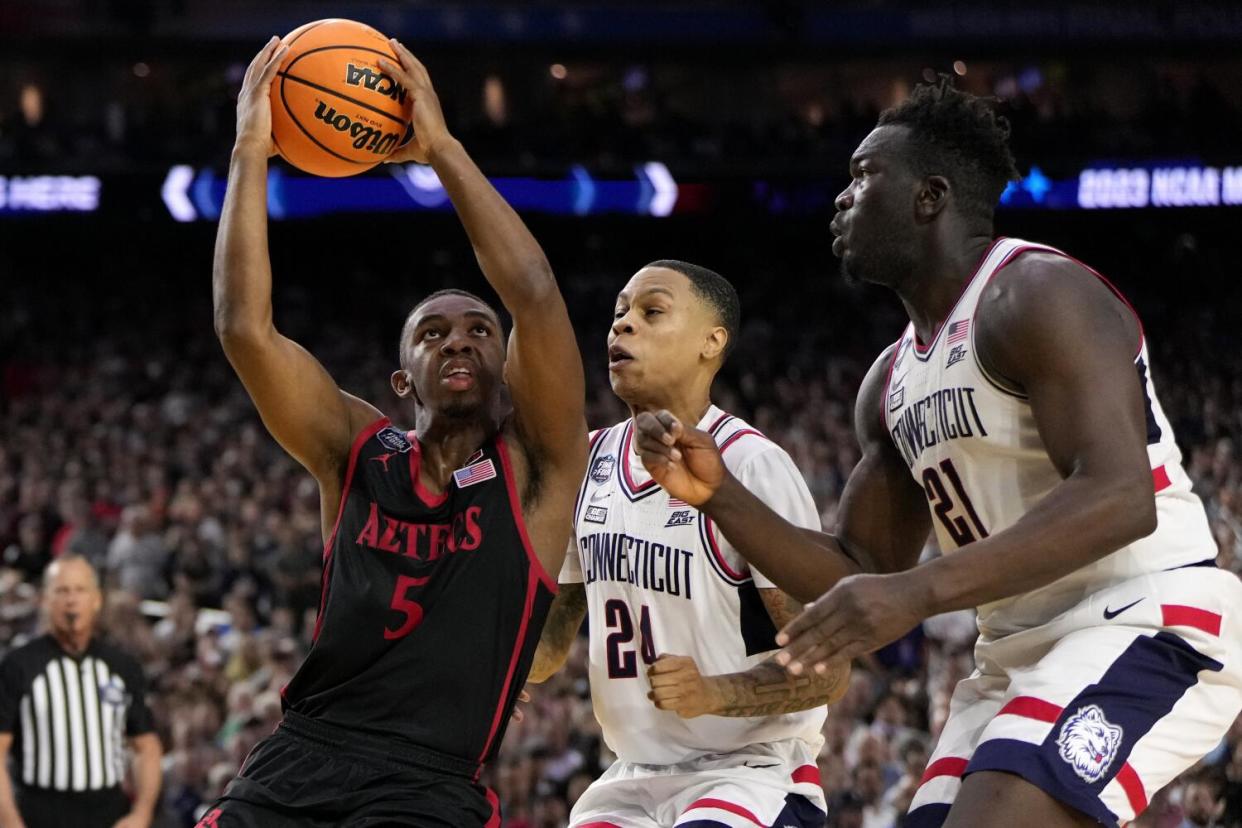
pixel 618 313
pixel 481 329
pixel 652 312
pixel 430 333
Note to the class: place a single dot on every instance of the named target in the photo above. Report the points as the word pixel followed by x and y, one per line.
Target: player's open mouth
pixel 618 356
pixel 457 376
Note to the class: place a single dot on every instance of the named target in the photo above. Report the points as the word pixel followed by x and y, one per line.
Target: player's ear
pixel 403 385
pixel 714 343
pixel 932 198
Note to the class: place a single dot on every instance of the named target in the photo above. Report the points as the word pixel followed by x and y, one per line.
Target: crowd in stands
pixel 704 113
pixel 125 437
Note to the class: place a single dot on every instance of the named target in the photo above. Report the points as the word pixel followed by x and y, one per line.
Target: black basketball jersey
pixel 432 606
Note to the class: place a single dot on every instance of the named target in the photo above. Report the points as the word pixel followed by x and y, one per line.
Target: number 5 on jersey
pixel 621 662
pixel 401 602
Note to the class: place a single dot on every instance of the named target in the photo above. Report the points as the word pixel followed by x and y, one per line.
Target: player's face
pixel 660 332
pixel 72 598
pixel 452 356
pixel 874 224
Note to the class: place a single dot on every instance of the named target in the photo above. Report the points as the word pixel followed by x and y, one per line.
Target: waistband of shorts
pixel 402 753
pixel 96 796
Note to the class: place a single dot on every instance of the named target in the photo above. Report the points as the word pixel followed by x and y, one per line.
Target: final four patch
pixel 602 468
pixel 394 440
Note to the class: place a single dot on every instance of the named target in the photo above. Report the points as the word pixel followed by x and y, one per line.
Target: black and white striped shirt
pixel 71 717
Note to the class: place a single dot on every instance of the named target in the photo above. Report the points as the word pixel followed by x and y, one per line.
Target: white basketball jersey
pixel 973 447
pixel 661 580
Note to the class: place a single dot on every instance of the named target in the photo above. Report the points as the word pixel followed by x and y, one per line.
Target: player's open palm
pixel 678 686
pixel 684 461
pixel 859 614
pixel 426 117
pixel 254 103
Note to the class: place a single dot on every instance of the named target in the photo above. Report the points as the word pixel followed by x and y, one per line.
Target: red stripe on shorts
pixel 1176 615
pixel 1160 478
pixel 494 801
pixel 806 773
pixel 1031 708
pixel 1133 786
pixel 720 804
pixel 948 766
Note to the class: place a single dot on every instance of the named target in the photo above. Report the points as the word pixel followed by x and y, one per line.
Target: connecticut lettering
pixel 947 414
pixel 653 566
pixel 422 541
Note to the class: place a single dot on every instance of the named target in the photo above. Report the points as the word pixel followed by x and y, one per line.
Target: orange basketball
pixel 334 111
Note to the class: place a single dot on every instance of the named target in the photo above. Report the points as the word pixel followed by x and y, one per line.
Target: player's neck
pixel 689 410
pixel 937 282
pixel 446 444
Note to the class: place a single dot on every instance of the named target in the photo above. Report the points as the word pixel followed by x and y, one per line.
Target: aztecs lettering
pixel 422 541
pixel 372 139
pixel 645 564
pixel 947 414
pixel 375 81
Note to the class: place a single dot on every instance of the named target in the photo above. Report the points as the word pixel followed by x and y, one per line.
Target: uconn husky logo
pixel 1089 742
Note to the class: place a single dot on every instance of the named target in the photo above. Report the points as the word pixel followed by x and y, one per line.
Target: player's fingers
pixel 523 696
pixel 666 680
pixel 654 428
pixel 260 58
pixel 397 71
pixel 814 645
pixel 669 663
pixel 273 65
pixel 408 58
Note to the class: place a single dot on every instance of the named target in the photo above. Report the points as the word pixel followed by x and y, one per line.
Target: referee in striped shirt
pixel 68 705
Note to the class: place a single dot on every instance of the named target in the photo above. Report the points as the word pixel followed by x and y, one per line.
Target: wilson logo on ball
pixel 365 137
pixel 377 82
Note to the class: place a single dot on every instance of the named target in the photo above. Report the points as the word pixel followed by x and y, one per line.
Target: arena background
pixel 716 132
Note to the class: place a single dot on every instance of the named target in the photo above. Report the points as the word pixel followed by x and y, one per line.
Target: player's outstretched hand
pixel 684 461
pixel 518 713
pixel 859 614
pixel 254 103
pixel 426 117
pixel 677 685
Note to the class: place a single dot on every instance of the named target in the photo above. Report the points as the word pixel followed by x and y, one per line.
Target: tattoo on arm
pixel 564 619
pixel 767 689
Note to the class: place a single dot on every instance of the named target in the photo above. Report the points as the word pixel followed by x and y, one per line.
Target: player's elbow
pixel 1133 506
pixel 236 332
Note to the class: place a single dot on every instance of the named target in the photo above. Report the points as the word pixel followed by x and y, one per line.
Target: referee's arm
pixel 147 778
pixel 9 817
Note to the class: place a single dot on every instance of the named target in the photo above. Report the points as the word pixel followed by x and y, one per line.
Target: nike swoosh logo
pixel 597 496
pixel 1111 614
pixel 749 765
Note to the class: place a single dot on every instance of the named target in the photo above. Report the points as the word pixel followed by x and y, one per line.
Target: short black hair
pixel 713 289
pixel 409 317
pixel 960 136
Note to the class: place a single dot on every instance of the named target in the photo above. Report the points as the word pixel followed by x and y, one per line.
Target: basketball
pixel 334 111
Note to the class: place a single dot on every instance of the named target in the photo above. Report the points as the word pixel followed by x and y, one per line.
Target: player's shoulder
pixel 740 442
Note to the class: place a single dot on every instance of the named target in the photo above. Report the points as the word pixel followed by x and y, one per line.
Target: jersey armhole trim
pixel 519 519
pixel 888 377
pixel 416 481
pixel 707 533
pixel 326 576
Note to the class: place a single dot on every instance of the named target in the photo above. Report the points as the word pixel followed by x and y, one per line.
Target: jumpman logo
pixel 384 458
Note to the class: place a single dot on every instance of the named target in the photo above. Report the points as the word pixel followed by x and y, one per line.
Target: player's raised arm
pixel 544 369
pixel 882 520
pixel 299 403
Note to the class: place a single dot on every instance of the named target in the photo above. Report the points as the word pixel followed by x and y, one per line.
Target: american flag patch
pixel 957 331
pixel 674 503
pixel 475 473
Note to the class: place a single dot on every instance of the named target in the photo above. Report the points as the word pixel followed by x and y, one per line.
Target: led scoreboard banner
pixel 188 194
